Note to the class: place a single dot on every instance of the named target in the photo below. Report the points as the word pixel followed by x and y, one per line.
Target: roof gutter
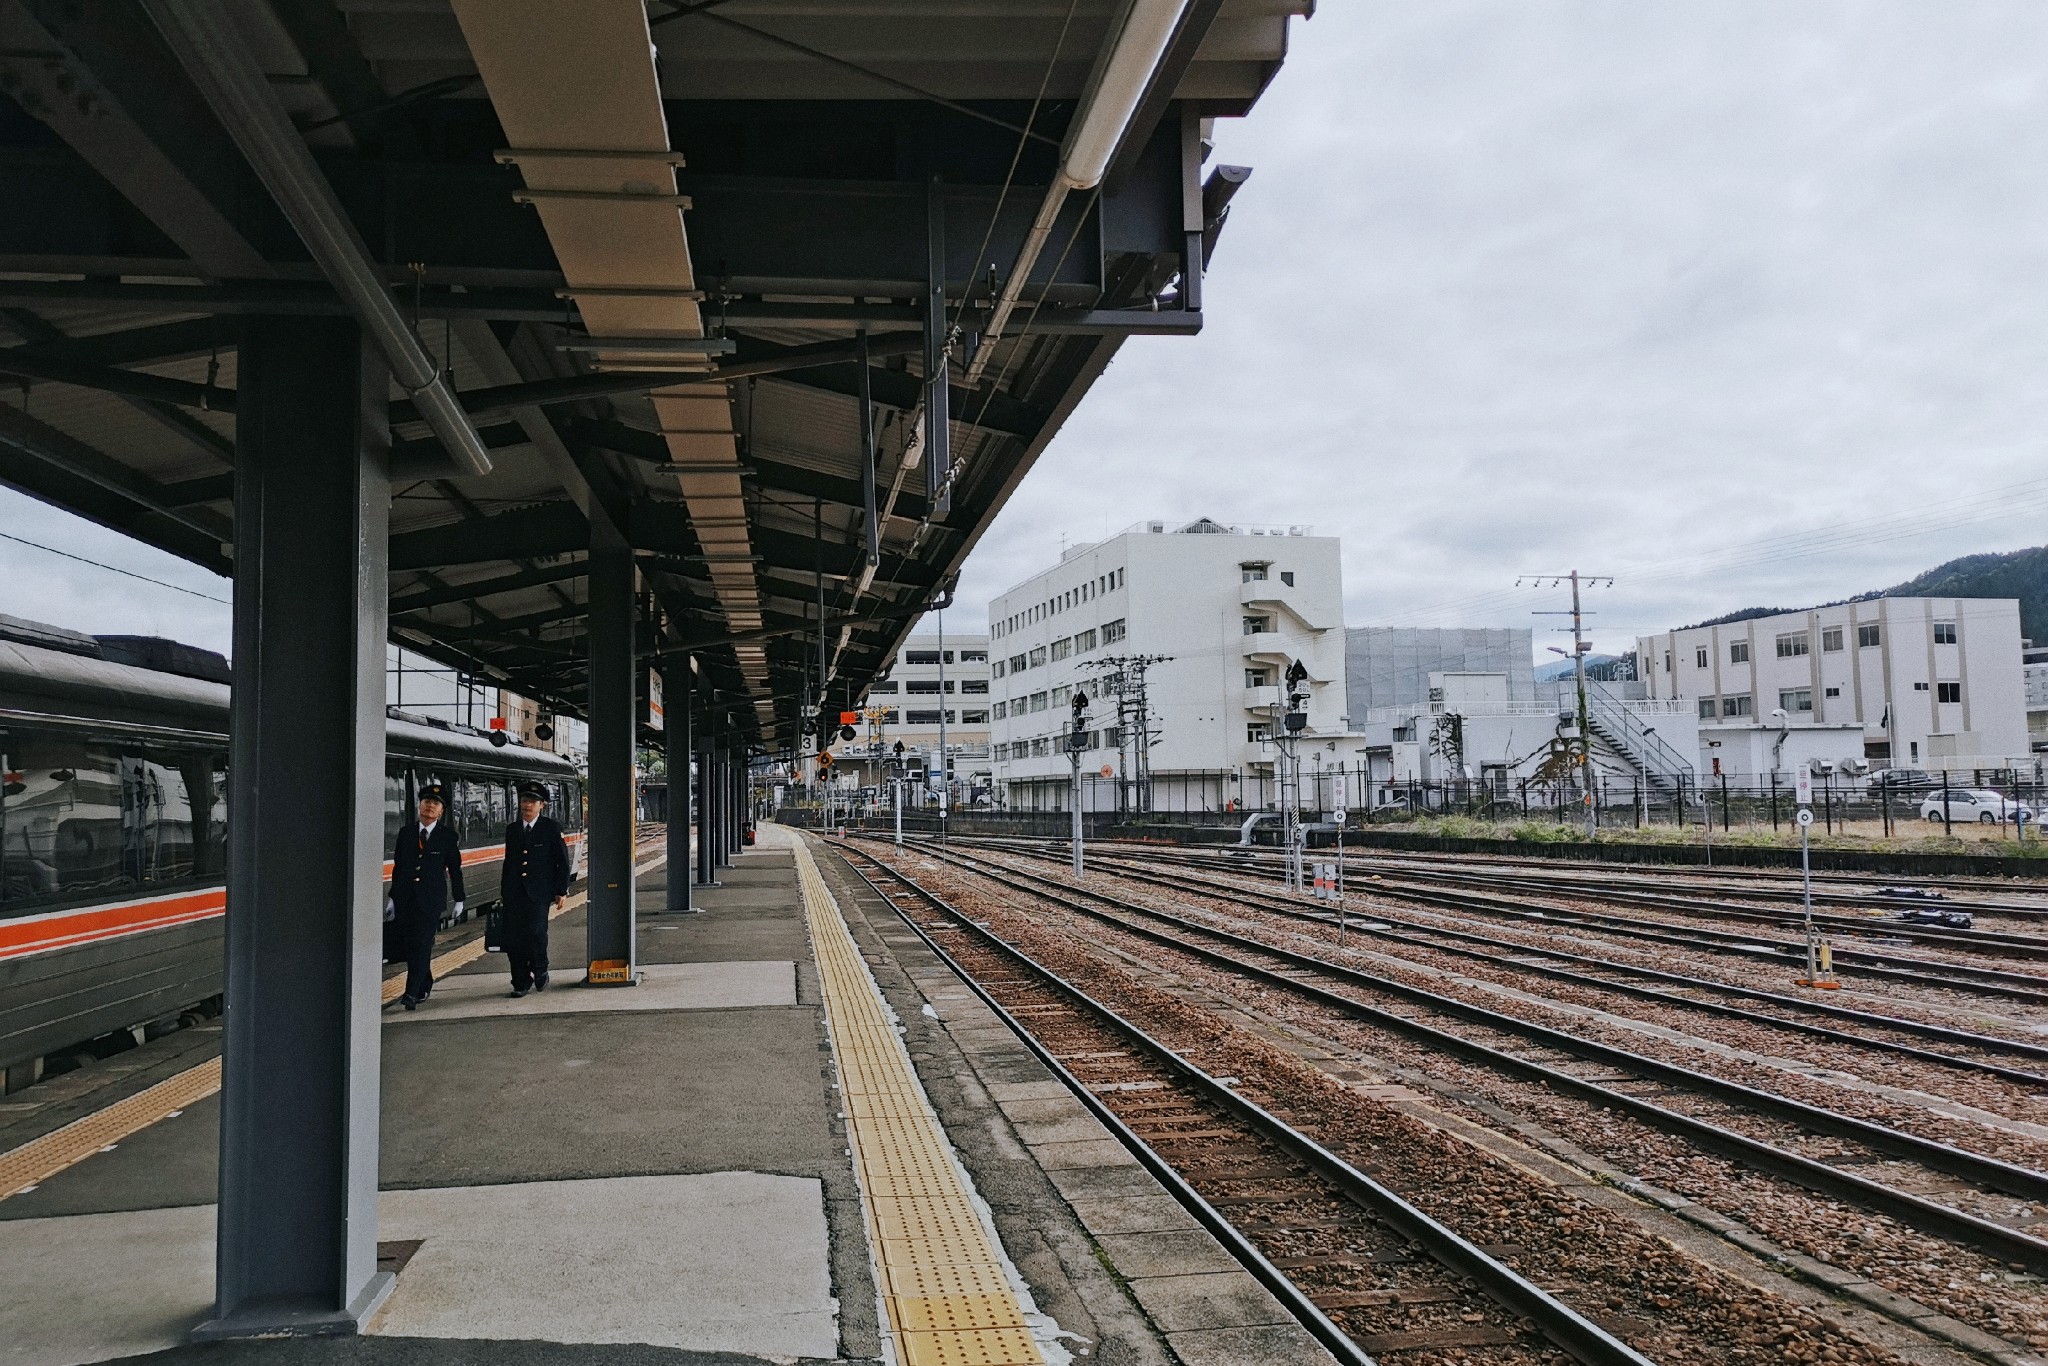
pixel 212 52
pixel 1119 83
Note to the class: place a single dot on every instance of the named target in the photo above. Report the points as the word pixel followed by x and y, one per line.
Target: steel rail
pixel 1922 972
pixel 1913 1210
pixel 1984 941
pixel 1564 1326
pixel 1374 922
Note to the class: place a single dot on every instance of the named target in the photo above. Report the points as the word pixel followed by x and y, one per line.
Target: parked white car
pixel 1975 804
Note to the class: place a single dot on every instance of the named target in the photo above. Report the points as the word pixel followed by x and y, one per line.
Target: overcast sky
pixel 1682 294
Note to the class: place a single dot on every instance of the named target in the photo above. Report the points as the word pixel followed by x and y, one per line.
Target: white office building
pixel 931 678
pixel 1931 683
pixel 1212 614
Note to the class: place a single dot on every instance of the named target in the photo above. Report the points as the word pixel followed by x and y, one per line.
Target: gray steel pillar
pixel 721 808
pixel 707 875
pixel 297 1221
pixel 613 708
pixel 675 744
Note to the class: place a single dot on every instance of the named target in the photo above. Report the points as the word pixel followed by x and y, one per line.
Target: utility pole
pixel 1580 645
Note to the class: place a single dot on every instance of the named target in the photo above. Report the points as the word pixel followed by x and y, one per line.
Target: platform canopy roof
pixel 651 261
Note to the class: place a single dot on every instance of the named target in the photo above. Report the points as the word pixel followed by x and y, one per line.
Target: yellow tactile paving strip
pixel 949 1300
pixel 39 1159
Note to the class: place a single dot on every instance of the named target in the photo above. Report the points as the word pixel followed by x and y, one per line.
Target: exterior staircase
pixel 1664 770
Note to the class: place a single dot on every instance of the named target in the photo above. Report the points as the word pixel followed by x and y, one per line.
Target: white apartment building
pixel 1907 682
pixel 1221 611
pixel 928 678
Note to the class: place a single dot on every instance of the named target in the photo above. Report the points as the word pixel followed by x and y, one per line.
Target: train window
pixel 78 817
pixel 476 811
pixel 394 804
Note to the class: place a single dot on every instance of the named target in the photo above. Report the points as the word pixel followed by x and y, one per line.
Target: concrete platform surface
pixel 729 1262
pixel 661 986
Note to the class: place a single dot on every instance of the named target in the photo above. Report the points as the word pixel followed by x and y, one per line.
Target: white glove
pixel 458 909
pixel 390 909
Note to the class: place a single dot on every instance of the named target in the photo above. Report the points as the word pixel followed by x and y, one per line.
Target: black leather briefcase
pixel 494 932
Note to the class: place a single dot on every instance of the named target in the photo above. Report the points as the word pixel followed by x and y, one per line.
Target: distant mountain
pixel 1605 668
pixel 2021 574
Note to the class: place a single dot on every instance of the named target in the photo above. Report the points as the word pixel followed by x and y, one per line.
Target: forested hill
pixel 2021 574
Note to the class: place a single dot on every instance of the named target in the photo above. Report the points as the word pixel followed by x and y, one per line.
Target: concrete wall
pixel 1386 666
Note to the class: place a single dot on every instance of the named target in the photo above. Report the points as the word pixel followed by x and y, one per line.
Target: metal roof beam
pixel 445 594
pixel 117 511
pixel 901 390
pixel 536 532
pixel 40 441
pixel 179 340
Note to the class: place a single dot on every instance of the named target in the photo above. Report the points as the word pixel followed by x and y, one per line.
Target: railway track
pixel 1546 1055
pixel 1376 923
pixel 1356 1260
pixel 1874 962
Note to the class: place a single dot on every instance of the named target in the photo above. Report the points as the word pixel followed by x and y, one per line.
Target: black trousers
pixel 526 941
pixel 417 925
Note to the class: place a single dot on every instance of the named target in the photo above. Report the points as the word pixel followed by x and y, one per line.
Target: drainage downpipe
pixel 235 88
pixel 1099 125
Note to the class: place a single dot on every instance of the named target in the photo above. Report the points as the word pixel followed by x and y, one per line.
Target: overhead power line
pixel 113 568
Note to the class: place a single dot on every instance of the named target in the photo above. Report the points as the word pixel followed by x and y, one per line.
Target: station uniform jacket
pixel 536 866
pixel 426 873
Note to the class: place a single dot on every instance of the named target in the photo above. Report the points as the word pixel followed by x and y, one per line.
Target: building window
pixel 1866 635
pixel 977 685
pixel 1061 694
pixel 1038 657
pixel 920 656
pixel 923 718
pixel 1738 652
pixel 890 716
pixel 1944 633
pixel 973 718
pixel 1914 747
pixel 1796 699
pixel 1018 664
pixel 1834 692
pixel 1793 645
pixel 1062 648
pixel 1667 662
pixel 1084 642
pixel 1735 706
pixel 884 685
pixel 1830 638
pixel 1251 573
pixel 1948 692
pixel 1113 631
pixel 1038 701
pixel 1709 709
pixel 1254 625
pixel 1287 577
pixel 1919 687
pixel 974 656
pixel 1699 657
pixel 996 669
pixel 1257 678
pixel 1258 733
pixel 999 709
pixel 921 685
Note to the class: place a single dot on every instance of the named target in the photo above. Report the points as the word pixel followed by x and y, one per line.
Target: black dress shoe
pixel 518 992
pixel 409 1002
pixel 540 983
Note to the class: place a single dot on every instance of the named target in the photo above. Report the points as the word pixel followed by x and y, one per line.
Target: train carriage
pixel 113 831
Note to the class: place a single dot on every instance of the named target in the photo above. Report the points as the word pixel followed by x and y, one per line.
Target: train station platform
pixel 798 1138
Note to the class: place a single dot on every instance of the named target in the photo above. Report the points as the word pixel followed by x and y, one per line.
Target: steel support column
pixel 721 802
pixel 297 1221
pixel 613 709
pixel 676 686
pixel 707 875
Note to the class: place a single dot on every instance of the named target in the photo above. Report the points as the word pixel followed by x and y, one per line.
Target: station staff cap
pixel 431 792
pixel 532 792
